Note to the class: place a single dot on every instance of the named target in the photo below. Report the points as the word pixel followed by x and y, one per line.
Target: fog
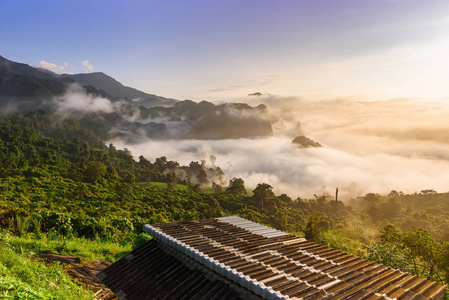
pixel 76 99
pixel 400 144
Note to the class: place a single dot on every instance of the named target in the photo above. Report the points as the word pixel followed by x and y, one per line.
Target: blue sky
pixel 223 50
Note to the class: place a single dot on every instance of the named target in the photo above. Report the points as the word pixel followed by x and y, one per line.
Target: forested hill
pixel 112 87
pixel 45 138
pixel 19 81
pixel 52 169
pixel 111 110
pixel 61 186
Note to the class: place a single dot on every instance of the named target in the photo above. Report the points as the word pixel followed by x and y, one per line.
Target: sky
pixel 368 50
pixel 367 79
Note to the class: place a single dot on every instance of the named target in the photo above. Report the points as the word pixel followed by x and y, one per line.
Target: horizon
pixel 207 50
pixel 342 99
pixel 364 78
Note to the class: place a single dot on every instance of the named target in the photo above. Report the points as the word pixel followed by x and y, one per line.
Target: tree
pixel 217 188
pixel 196 188
pixel 171 181
pixel 202 177
pixel 415 252
pixel 371 198
pixel 161 164
pixel 262 193
pixel 94 171
pixel 111 173
pixel 129 177
pixel 393 194
pixel 312 231
pixel 125 191
pixel 236 187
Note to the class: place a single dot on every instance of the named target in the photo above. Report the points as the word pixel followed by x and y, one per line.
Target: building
pixel 233 258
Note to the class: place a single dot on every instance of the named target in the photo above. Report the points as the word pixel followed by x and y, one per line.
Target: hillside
pixel 63 191
pixel 101 81
pixel 111 110
pixel 18 80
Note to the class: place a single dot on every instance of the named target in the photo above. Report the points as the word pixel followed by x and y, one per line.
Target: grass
pixel 79 247
pixel 23 275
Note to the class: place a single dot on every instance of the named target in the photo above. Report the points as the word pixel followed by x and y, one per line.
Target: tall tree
pixel 262 193
pixel 236 187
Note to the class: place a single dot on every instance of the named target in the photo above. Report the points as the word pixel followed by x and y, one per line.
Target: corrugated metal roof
pixel 149 272
pixel 283 266
pixel 253 227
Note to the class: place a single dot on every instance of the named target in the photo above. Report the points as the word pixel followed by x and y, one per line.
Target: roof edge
pixel 220 268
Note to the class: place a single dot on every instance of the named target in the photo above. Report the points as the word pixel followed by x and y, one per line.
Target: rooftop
pixel 233 258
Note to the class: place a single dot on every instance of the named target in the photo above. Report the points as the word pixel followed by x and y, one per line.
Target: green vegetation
pixel 63 191
pixel 24 276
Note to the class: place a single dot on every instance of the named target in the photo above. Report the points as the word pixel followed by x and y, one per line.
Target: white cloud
pixel 87 66
pixel 76 100
pixel 401 144
pixel 54 67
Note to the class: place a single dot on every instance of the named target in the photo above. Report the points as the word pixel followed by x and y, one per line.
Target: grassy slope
pixel 23 275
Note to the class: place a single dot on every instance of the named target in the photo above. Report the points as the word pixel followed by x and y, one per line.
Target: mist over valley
pixel 398 144
pixel 141 127
pixel 367 146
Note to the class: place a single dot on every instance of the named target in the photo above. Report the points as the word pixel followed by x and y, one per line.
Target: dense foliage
pixel 60 184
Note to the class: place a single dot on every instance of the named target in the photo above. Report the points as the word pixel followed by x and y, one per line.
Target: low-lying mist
pixel 401 144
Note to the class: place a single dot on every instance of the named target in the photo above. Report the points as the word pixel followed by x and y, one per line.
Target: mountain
pixel 101 81
pixel 112 110
pixel 20 81
pixel 206 120
pixel 23 87
pixel 108 84
pixel 305 142
pixel 15 68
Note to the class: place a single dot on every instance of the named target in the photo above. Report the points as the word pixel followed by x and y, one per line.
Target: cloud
pixel 87 66
pixel 76 100
pixel 63 68
pixel 53 67
pixel 401 144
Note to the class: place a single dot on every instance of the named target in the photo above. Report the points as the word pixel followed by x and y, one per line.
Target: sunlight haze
pixel 366 79
pixel 223 50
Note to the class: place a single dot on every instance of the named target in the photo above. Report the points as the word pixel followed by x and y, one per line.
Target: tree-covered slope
pixel 59 181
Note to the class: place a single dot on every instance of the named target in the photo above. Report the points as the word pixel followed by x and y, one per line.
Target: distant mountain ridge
pixel 113 110
pixel 114 88
pixel 26 88
pixel 15 68
pixel 18 80
pixel 104 82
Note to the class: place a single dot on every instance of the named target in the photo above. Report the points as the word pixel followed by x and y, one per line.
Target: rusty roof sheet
pixel 149 272
pixel 281 266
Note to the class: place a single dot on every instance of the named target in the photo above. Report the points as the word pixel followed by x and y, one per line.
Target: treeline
pixel 58 174
pixel 57 177
pixel 427 209
pixel 45 138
